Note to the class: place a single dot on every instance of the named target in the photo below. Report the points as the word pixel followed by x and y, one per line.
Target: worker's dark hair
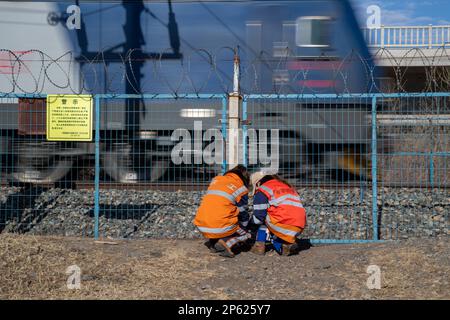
pixel 242 173
pixel 275 177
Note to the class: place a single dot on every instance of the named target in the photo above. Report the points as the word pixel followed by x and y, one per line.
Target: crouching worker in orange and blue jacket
pixel 223 211
pixel 278 214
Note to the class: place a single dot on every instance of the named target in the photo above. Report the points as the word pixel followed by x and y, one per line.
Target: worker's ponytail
pixel 242 173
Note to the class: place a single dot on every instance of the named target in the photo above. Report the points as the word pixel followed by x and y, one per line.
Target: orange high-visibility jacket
pixel 217 216
pixel 286 217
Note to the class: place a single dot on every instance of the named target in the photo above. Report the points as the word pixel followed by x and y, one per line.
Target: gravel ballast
pixel 332 213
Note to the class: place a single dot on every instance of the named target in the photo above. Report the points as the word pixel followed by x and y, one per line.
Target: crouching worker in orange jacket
pixel 223 211
pixel 278 214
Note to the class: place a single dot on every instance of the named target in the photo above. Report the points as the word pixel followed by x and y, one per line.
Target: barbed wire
pixel 202 71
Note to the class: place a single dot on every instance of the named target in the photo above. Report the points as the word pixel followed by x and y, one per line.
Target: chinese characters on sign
pixel 69 118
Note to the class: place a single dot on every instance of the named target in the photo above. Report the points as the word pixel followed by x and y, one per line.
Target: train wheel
pixel 155 169
pixel 125 165
pixel 39 162
pixel 348 164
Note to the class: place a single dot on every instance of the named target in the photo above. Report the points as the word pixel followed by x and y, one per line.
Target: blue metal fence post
pixel 224 133
pixel 97 167
pixel 374 170
pixel 431 173
pixel 244 132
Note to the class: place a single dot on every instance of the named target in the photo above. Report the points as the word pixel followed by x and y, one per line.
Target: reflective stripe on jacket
pixel 286 232
pixel 286 217
pixel 217 216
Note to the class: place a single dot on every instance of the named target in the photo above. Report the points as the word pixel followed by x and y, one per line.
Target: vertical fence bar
pixel 244 132
pixel 224 134
pixel 431 170
pixel 374 170
pixel 97 168
pixel 430 36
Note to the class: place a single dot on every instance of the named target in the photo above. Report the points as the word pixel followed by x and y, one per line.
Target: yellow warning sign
pixel 69 117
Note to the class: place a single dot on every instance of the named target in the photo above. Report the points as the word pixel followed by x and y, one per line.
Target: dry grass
pixel 410 274
pixel 35 268
pixel 414 170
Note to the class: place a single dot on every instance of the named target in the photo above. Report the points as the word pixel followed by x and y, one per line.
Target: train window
pixel 313 32
pixel 254 35
pixel 280 77
pixel 280 49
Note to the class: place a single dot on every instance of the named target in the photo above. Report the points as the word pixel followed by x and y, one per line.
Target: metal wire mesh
pixel 323 148
pixel 368 166
pixel 38 175
pixel 413 162
pixel 363 163
pixel 155 143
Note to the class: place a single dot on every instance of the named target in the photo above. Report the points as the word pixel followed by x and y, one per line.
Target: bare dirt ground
pixel 35 268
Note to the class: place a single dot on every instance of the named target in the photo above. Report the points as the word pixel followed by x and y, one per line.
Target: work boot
pixel 210 245
pixel 289 249
pixel 259 248
pixel 223 249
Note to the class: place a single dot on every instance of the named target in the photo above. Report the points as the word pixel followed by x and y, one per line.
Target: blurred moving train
pixel 285 47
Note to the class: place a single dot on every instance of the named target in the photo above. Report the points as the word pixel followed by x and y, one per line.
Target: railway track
pixel 201 186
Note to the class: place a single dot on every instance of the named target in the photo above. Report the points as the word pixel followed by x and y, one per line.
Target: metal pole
pixel 430 36
pixel 236 63
pixel 224 134
pixel 134 40
pixel 374 170
pixel 244 133
pixel 97 168
pixel 431 173
pixel 234 102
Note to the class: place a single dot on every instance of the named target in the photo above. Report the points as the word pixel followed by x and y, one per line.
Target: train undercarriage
pixel 62 164
pixel 145 156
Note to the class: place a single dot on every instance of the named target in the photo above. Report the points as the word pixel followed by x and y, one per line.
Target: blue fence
pixel 370 167
pixel 382 127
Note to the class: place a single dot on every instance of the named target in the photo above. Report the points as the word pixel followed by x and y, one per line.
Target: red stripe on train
pixel 316 65
pixel 317 83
